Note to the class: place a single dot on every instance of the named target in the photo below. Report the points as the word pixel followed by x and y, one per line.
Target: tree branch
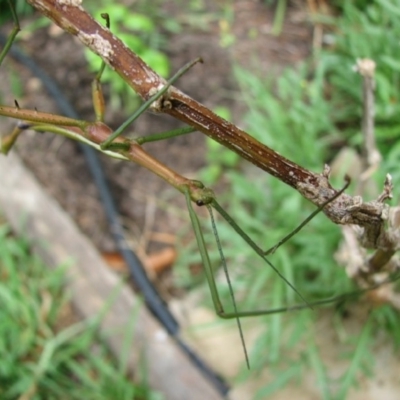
pixel 371 216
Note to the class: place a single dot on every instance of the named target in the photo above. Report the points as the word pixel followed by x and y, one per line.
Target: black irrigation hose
pixel 153 300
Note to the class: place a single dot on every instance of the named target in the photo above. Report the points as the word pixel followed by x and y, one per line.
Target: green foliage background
pixel 308 114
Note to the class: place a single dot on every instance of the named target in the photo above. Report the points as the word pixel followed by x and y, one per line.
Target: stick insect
pixel 101 137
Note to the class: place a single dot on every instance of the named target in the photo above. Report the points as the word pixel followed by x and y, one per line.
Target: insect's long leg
pixel 308 219
pixel 231 292
pixel 208 269
pixel 165 135
pixel 253 245
pixel 148 103
pixel 13 34
pixel 239 314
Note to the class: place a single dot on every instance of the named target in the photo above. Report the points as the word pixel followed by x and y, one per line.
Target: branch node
pixel 163 102
pixel 387 193
pixel 365 67
pixel 327 171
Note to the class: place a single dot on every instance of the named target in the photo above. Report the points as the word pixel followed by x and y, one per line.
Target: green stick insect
pixel 99 136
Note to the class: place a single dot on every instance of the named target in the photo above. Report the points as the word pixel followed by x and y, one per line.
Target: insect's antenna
pixel 224 266
pixel 309 218
pixel 257 249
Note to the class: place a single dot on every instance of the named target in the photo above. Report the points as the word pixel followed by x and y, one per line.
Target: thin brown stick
pixel 366 68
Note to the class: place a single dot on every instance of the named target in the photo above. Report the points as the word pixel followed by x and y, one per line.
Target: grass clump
pixel 308 114
pixel 39 359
